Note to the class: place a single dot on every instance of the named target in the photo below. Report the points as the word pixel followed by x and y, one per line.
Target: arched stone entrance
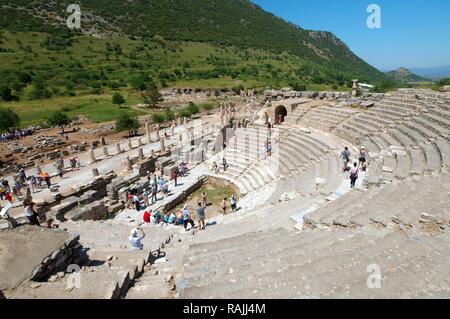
pixel 280 114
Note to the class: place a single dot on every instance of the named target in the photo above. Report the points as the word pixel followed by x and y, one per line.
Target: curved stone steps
pixel 316 273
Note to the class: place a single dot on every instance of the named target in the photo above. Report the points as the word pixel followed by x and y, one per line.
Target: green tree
pixel 158 118
pixel 118 98
pixel 59 119
pixel 9 120
pixel 126 122
pixel 5 93
pixel 40 89
pixel 169 115
pixel 152 97
pixel 193 108
pixel 237 89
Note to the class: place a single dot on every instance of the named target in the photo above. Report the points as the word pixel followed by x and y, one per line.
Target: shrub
pixel 126 122
pixel 9 120
pixel 158 118
pixel 118 98
pixel 169 115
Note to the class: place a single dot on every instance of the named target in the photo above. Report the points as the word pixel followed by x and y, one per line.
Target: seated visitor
pixel 156 217
pixel 147 215
pixel 135 238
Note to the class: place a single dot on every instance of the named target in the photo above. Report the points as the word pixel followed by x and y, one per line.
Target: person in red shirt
pixel 8 197
pixel 147 216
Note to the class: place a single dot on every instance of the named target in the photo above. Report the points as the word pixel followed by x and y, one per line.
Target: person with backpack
pixel 29 212
pixel 201 216
pixel 362 158
pixel 233 203
pixel 345 156
pixel 354 175
pixel 186 218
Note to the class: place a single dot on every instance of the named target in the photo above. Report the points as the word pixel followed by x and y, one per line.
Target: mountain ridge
pixel 405 75
pixel 238 23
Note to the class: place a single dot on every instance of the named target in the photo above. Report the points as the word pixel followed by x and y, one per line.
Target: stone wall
pixel 183 195
pixel 69 253
pixel 62 203
pixel 274 95
pixel 93 211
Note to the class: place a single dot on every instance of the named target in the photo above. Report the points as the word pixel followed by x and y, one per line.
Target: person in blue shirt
pixel 186 218
pixel 135 239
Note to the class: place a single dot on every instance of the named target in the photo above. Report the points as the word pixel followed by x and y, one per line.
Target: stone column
pixel 38 169
pixel 148 133
pixel 162 145
pixel 140 141
pixel 105 152
pixel 92 158
pixel 178 121
pixel 129 166
pixel 95 172
pixel 141 153
pixel 103 140
pixel 130 146
pixel 355 88
pixel 152 153
pixel 184 121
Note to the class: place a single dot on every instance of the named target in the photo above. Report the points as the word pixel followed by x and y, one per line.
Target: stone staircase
pixel 110 269
pixel 334 263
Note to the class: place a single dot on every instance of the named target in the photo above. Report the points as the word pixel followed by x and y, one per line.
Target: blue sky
pixel 413 34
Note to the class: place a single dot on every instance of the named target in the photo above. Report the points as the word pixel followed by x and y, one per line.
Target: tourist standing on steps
pixel 29 212
pixel 233 203
pixel 345 156
pixel 145 194
pixel 175 176
pixel 362 158
pixel 201 215
pixel 186 218
pixel 137 202
pixel 354 175
pixel 269 149
pixel 204 200
pixel 224 205
pixel 77 160
pixel 225 164
pixel 135 239
pixel 154 191
pixel 155 181
pixel 215 168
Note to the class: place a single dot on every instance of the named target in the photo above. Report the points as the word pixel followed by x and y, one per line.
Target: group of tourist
pixel 16 135
pixel 29 213
pixel 21 182
pixel 157 185
pixel 357 166
pixel 75 163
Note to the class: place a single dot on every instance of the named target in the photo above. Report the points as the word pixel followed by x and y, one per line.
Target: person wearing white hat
pixel 135 238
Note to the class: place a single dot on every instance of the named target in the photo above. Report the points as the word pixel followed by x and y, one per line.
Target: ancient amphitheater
pixel 300 232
